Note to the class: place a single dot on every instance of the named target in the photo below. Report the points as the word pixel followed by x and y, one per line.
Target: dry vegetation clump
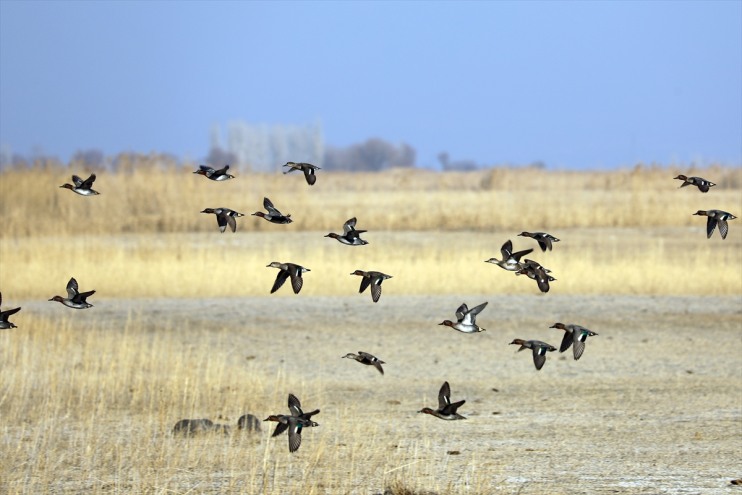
pixel 629 231
pixel 147 197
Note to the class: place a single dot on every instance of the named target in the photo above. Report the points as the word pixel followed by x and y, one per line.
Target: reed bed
pixel 148 198
pixel 623 232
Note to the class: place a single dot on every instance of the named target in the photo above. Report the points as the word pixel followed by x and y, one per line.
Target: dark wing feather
pixel 444 396
pixel 221 220
pixel 4 314
pixel 579 349
pixel 232 222
pixel 280 279
pixel 376 291
pixel 538 359
pixel 507 249
pixel 88 183
pixel 72 288
pixel 295 405
pixel 723 228
pixel 517 256
pixel 296 281
pixel 294 437
pixel 461 312
pixel 77 181
pixel 566 341
pixel 451 408
pixel 80 298
pixel 309 175
pixel 365 281
pixel 710 226
pixel 280 428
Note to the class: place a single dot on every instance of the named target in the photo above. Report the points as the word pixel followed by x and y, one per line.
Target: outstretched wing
pixel 444 396
pixel 87 183
pixel 710 226
pixel 72 288
pixel 349 226
pixel 566 341
pixel 723 228
pixel 539 357
pixel 365 281
pixel 280 279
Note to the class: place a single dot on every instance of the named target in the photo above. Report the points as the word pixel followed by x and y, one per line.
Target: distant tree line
pixel 262 148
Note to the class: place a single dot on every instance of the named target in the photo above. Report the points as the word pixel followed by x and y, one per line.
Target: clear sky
pixel 572 84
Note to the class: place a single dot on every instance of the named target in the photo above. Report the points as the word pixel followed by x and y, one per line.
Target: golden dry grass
pixel 149 198
pixel 624 232
pixel 88 398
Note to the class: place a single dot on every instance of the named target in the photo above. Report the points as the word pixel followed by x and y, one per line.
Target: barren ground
pixel 653 406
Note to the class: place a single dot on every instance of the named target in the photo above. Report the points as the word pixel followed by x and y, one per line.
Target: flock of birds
pixel 575 336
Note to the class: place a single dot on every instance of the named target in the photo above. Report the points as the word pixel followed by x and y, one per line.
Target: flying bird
pixel 81 187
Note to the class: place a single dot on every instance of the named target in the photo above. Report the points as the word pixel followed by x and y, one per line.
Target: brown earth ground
pixel 88 398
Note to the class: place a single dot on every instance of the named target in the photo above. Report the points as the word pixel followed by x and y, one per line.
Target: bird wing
pixel 517 256
pixel 295 405
pixel 77 181
pixel 461 312
pixel 349 226
pixel 444 396
pixel 723 228
pixel 507 249
pixel 566 341
pixel 538 358
pixel 294 435
pixel 309 176
pixel 280 428
pixel 87 183
pixel 72 288
pixel 80 298
pixel 710 226
pixel 365 281
pixel 376 290
pixel 268 205
pixel 296 280
pixel 579 348
pixel 232 222
pixel 280 279
pixel 4 314
pixel 221 220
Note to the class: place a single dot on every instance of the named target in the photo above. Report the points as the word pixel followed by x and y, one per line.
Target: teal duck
pixel 539 350
pixel 510 261
pixel 544 240
pixel 373 279
pixel 75 299
pixel 287 270
pixel 350 236
pixel 446 410
pixel 466 319
pixel 294 423
pixel 307 168
pixel 574 334
pixel 4 323
pixel 367 359
pixel 81 187
pixel 224 217
pixel 716 217
pixel 211 173
pixel 702 184
pixel 273 215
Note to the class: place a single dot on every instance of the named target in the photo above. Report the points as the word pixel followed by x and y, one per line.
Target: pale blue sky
pixel 573 84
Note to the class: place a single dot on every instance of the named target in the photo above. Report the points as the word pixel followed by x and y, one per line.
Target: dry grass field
pixel 184 327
